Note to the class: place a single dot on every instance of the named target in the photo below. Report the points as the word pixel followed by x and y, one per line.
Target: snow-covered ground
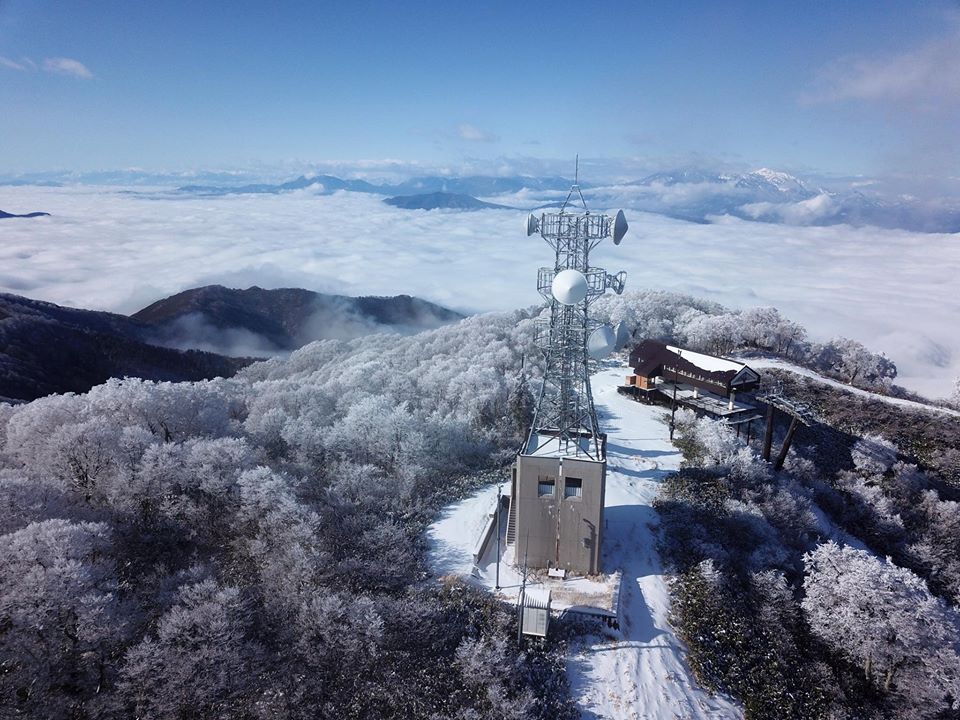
pixel 640 670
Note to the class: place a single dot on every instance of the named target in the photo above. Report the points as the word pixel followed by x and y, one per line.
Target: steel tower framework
pixel 565 412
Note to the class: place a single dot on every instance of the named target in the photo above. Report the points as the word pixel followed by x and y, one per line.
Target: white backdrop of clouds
pixel 894 290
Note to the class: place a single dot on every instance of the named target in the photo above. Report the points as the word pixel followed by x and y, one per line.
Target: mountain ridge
pixel 5 215
pixel 280 320
pixel 441 200
pixel 47 348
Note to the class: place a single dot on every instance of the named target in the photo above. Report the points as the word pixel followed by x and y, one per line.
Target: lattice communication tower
pixel 569 338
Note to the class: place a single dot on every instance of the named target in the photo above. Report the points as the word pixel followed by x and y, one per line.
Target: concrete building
pixel 556 501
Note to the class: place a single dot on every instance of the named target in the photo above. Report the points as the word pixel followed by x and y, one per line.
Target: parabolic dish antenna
pixel 532 224
pixel 569 287
pixel 620 227
pixel 601 342
pixel 623 335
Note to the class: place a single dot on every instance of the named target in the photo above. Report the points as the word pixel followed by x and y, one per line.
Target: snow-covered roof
pixel 544 445
pixel 707 362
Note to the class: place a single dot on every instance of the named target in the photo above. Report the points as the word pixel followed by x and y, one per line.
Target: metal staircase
pixel 511 523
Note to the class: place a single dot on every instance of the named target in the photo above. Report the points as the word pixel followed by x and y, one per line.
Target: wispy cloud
pixel 925 78
pixel 54 65
pixel 14 65
pixel 67 66
pixel 466 131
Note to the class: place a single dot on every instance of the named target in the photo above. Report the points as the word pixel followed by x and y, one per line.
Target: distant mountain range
pixel 472 185
pixel 4 215
pixel 692 193
pixel 771 196
pixel 46 348
pixel 318 183
pixel 437 200
pixel 763 182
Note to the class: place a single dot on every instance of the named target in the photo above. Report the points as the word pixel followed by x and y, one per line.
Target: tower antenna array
pixel 569 337
pixel 560 472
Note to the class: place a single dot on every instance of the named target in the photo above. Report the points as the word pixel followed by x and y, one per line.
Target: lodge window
pixel 545 487
pixel 573 487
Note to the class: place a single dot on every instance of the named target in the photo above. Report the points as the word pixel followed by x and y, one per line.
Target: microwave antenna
pixel 569 338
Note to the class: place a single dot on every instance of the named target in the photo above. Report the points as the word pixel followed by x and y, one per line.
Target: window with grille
pixel 545 486
pixel 573 487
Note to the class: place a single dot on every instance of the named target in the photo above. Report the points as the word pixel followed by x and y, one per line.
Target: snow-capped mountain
pixel 767 195
pixel 683 176
pixel 768 182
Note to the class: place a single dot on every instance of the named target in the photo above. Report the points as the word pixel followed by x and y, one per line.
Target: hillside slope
pixel 259 321
pixel 45 349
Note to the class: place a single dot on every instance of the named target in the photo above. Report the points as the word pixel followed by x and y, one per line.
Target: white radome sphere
pixel 602 342
pixel 569 287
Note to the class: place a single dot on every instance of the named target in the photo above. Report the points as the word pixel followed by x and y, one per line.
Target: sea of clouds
pixel 111 249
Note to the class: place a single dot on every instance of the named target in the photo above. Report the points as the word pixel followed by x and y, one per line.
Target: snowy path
pixel 761 363
pixel 640 671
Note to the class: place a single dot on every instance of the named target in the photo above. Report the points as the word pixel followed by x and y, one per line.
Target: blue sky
pixel 843 87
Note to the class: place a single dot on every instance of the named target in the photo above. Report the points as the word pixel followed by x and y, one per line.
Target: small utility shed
pixel 652 359
pixel 536 611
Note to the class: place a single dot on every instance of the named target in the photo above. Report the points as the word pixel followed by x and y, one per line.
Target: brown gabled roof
pixel 646 357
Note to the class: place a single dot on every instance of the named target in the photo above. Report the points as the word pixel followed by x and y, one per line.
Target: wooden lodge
pixel 706 384
pixel 655 362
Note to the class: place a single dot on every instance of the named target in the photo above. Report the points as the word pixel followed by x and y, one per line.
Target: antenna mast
pixel 565 410
pixel 562 467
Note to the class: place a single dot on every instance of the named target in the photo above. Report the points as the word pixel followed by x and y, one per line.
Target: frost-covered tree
pixel 61 623
pixel 24 500
pixel 852 362
pixel 954 398
pixel 704 442
pixel 765 328
pixel 200 663
pixel 715 334
pixel 486 666
pixel 884 618
pixel 873 454
pixel 520 404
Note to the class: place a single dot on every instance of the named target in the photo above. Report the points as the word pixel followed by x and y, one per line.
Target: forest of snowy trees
pixel 807 595
pixel 253 547
pixel 711 328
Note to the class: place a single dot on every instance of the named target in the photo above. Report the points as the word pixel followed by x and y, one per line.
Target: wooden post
pixel 778 465
pixel 768 434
